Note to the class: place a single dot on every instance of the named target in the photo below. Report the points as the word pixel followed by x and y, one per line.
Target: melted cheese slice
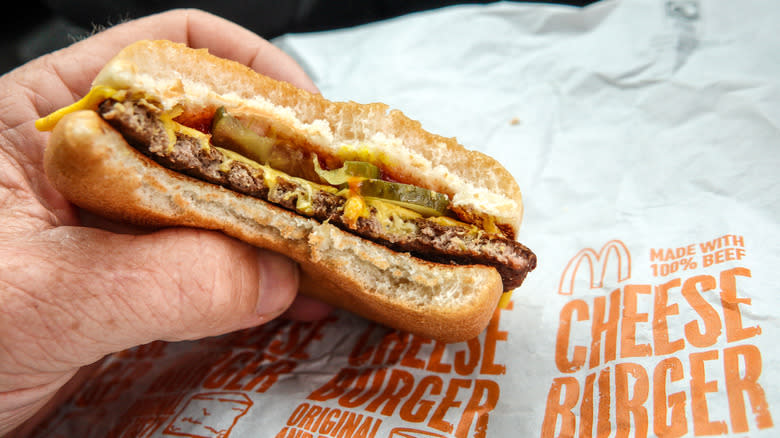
pixel 90 101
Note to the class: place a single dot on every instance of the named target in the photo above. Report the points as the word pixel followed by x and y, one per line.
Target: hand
pixel 73 287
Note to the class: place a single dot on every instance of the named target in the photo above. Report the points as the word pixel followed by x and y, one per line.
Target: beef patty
pixel 426 239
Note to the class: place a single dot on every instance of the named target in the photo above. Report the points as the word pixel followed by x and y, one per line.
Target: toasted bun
pixel 194 80
pixel 92 165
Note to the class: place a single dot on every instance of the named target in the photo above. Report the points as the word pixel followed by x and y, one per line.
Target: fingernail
pixel 278 283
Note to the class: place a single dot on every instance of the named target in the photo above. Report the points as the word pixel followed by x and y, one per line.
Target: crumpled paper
pixel 644 135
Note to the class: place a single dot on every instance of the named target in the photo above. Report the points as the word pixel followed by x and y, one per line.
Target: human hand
pixel 73 287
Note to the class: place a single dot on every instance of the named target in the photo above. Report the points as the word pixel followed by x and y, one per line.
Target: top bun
pixel 481 190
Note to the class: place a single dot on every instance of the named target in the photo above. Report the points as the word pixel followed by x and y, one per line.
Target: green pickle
pixel 228 132
pixel 350 169
pixel 418 199
pixel 365 180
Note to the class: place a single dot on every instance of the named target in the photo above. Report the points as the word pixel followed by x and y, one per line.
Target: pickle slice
pixel 418 199
pixel 228 132
pixel 350 169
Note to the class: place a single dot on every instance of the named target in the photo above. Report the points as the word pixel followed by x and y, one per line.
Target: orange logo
pixel 597 263
pixel 199 419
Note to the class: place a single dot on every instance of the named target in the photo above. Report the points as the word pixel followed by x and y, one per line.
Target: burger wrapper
pixel 646 138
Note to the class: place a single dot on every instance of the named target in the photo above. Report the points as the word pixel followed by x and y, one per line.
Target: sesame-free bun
pixel 93 166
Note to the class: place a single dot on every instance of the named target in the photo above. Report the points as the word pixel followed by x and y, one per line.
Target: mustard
pixel 354 209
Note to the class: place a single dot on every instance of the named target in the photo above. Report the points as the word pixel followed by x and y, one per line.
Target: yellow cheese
pixel 90 101
pixel 203 139
pixel 234 156
pixel 394 218
pixel 506 297
pixel 171 128
pixel 448 221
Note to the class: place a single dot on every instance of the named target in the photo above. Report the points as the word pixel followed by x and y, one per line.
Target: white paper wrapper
pixel 646 138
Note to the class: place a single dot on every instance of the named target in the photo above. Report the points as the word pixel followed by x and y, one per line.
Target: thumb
pixel 101 292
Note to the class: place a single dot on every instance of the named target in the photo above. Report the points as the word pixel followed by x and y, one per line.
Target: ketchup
pixel 200 121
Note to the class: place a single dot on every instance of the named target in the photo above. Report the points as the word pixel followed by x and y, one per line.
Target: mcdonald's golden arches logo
pixel 613 255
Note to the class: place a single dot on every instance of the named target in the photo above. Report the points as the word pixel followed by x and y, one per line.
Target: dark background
pixel 38 27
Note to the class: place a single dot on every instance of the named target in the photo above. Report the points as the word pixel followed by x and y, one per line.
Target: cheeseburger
pixel 389 221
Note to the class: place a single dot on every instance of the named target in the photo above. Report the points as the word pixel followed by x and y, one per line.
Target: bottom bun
pixel 93 166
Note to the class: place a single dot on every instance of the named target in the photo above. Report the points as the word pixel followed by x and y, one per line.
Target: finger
pixel 302 308
pixel 307 309
pixel 76 66
pixel 228 40
pixel 89 292
pixel 88 219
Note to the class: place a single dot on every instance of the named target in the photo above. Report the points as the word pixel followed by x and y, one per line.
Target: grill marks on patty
pixel 139 124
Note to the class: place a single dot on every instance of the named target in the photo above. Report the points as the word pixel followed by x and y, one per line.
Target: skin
pixel 75 288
